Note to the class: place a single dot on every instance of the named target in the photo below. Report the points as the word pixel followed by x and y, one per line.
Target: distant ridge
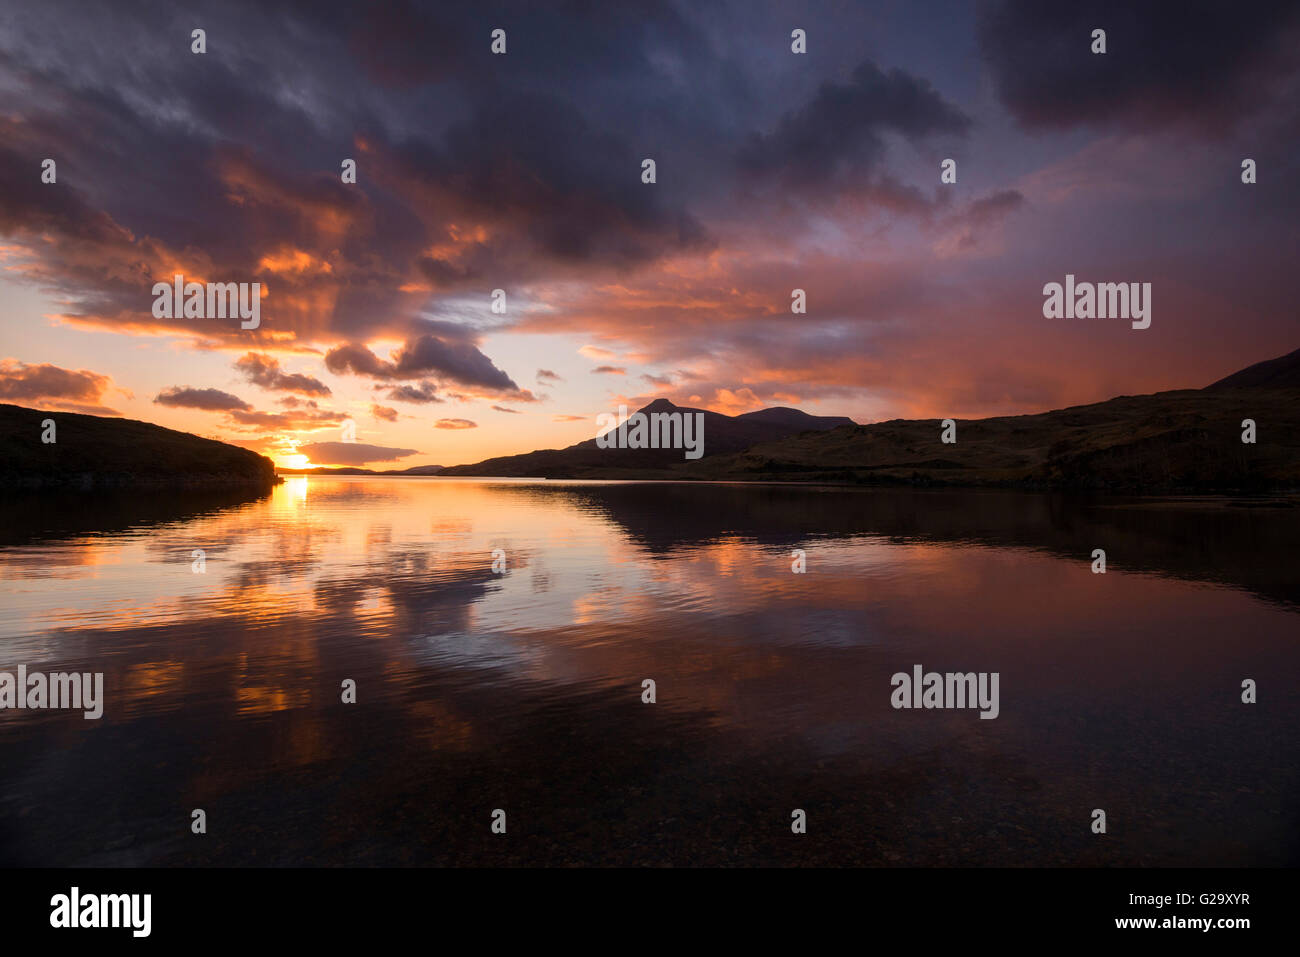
pixel 795 419
pixel 723 434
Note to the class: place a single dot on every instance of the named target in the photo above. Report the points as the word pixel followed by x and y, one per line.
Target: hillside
pixel 95 452
pixel 1280 373
pixel 1184 440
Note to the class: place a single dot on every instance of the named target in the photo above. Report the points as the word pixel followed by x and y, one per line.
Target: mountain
pixel 91 451
pixel 794 419
pixel 723 434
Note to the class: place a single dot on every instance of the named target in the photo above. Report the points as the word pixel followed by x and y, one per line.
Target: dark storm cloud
pixel 209 400
pixel 460 362
pixel 550 184
pixel 841 131
pixel 1166 61
pixel 27 204
pixel 247 140
pixel 265 371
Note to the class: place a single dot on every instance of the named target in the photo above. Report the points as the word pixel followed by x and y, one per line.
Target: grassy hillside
pixel 1280 373
pixel 1184 440
pixel 95 452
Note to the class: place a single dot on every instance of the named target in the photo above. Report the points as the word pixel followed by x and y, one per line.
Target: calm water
pixel 522 690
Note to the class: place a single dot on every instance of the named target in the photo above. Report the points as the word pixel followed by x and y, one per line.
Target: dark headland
pixel 94 452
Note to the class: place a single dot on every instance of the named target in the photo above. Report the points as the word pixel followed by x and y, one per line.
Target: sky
pixel 522 172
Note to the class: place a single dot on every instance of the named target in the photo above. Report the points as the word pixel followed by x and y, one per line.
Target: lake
pixel 520 687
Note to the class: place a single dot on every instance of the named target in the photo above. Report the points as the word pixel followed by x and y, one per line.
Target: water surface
pixel 521 689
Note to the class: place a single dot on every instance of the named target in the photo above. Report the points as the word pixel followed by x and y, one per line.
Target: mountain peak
pixel 662 405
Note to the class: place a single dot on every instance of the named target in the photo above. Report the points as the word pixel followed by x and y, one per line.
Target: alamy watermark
pixel 37 690
pixel 948 690
pixel 208 300
pixel 75 909
pixel 656 430
pixel 1103 300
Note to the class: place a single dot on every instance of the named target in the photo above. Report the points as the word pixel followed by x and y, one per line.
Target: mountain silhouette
pixel 723 434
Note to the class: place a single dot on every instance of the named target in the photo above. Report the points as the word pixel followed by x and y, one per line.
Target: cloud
pixel 658 380
pixel 460 362
pixel 209 400
pixel 546 375
pixel 351 453
pixel 383 412
pixel 303 415
pixel 485 175
pixel 734 402
pixel 570 418
pixel 548 185
pixel 502 408
pixel 523 395
pixel 265 371
pixel 80 390
pixel 839 134
pixel 610 370
pixel 1190 62
pixel 455 424
pixel 288 421
pixel 964 229
pixel 423 392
